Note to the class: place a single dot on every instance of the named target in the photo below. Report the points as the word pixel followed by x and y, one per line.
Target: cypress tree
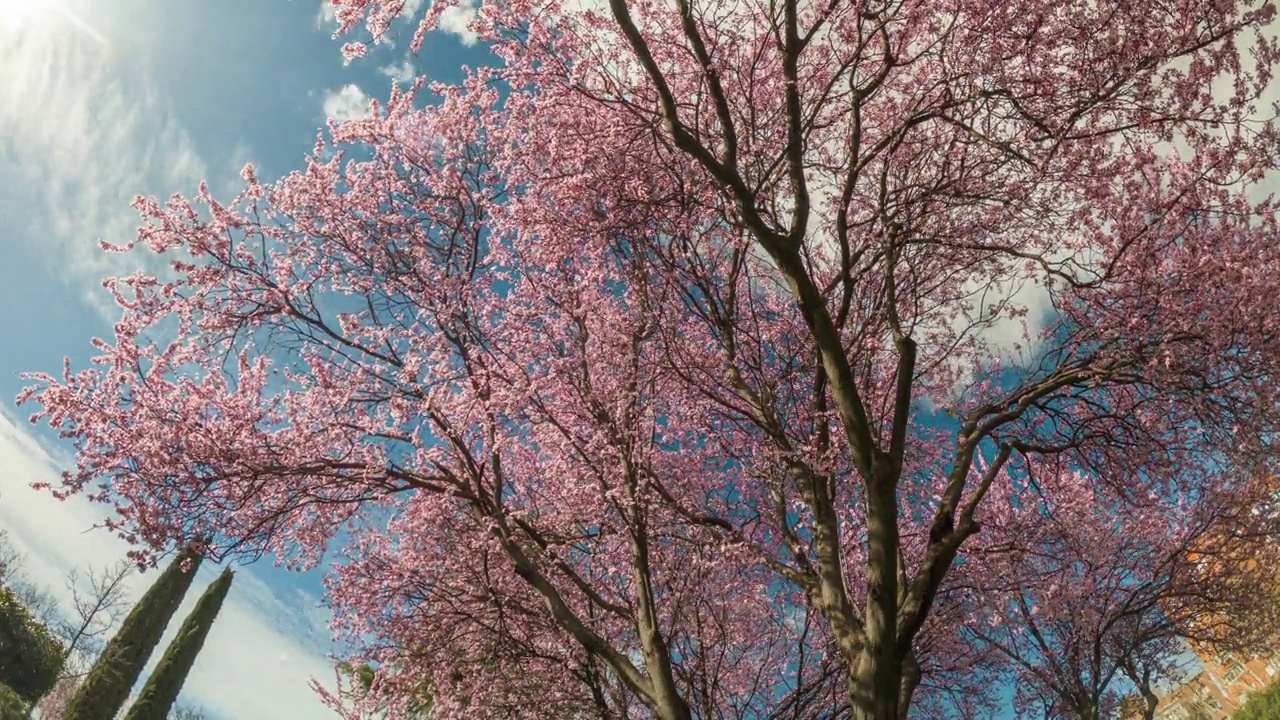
pixel 109 681
pixel 165 682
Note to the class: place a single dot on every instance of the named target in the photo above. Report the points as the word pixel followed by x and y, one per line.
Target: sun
pixel 20 16
pixel 17 13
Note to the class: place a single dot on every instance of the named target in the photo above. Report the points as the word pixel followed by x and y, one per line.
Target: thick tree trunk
pixel 673 707
pixel 874 693
pixel 910 681
pixel 1149 702
pixel 876 681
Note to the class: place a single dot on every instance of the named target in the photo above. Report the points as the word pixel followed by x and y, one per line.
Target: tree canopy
pixel 30 657
pixel 709 359
pixel 1261 705
pixel 12 705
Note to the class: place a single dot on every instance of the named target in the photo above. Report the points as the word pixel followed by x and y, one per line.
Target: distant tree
pixel 1103 598
pixel 10 558
pixel 106 687
pixel 97 600
pixel 357 688
pixel 12 705
pixel 38 601
pixel 1261 705
pixel 165 682
pixel 30 656
pixel 97 603
pixel 53 705
pixel 187 712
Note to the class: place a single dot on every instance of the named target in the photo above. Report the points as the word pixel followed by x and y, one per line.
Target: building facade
pixel 1218 690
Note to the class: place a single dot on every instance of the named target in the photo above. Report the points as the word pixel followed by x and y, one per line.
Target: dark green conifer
pixel 30 657
pixel 109 681
pixel 165 682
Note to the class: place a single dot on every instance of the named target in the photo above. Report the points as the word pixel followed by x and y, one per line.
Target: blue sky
pixel 104 99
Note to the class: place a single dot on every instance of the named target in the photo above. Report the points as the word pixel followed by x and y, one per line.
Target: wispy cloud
pixel 264 647
pixel 79 136
pixel 327 15
pixel 73 17
pixel 402 72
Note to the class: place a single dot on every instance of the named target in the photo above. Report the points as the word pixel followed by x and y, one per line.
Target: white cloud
pixel 261 652
pixel 456 19
pixel 80 134
pixel 401 73
pixel 347 103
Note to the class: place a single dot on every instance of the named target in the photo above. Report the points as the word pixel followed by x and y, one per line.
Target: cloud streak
pixel 261 652
pixel 79 136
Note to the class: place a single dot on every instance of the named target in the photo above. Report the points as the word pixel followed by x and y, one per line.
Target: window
pixel 1205 700
pixel 1233 673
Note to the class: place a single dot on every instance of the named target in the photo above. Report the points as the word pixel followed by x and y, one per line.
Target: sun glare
pixel 17 13
pixel 17 16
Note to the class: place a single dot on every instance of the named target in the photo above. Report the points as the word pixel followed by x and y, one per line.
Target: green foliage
pixel 108 683
pixel 12 705
pixel 362 676
pixel 30 657
pixel 1262 705
pixel 162 688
